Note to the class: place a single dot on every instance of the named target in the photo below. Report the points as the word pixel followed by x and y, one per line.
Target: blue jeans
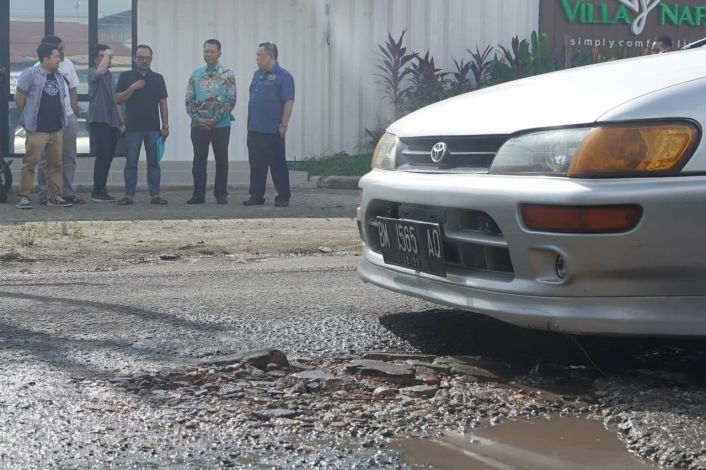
pixel 133 144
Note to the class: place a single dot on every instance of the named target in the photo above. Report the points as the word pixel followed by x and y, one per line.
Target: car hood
pixel 575 96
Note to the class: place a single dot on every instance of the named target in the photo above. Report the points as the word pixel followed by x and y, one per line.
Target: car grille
pixel 473 243
pixel 464 154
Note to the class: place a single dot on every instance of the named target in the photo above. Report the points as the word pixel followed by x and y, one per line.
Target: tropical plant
pixel 594 55
pixel 428 82
pixel 541 54
pixel 461 82
pixel 480 64
pixel 511 64
pixel 393 71
pixel 523 59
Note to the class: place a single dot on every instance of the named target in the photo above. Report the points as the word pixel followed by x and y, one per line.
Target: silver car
pixel 82 139
pixel 573 201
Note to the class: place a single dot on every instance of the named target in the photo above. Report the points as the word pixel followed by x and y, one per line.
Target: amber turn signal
pixel 634 150
pixel 581 219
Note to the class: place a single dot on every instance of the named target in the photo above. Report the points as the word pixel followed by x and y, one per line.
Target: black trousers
pixel 103 141
pixel 267 151
pixel 218 138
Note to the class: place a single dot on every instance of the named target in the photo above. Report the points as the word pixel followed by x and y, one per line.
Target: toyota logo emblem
pixel 438 152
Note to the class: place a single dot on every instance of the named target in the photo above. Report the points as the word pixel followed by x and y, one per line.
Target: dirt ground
pixel 90 246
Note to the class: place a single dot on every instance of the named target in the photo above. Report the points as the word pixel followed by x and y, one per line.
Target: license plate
pixel 412 244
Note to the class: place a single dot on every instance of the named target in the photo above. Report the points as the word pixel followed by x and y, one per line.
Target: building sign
pixel 627 25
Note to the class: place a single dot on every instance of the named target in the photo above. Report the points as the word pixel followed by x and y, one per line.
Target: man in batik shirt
pixel 210 99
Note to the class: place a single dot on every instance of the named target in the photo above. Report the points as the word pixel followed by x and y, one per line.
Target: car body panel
pixel 574 96
pixel 655 257
pixel 677 101
pixel 650 280
pixel 639 316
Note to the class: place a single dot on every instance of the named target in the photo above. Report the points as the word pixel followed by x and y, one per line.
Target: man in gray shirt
pixel 104 120
pixel 40 98
pixel 69 81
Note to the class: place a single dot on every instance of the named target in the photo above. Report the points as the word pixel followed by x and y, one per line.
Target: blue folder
pixel 160 148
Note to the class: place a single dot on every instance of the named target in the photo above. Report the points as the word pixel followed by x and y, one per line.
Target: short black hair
pixel 666 40
pixel 96 50
pixel 54 40
pixel 214 42
pixel 144 46
pixel 270 47
pixel 45 50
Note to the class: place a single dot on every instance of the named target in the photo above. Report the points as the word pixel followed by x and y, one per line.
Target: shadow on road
pixel 454 332
pixel 140 313
pixel 62 351
pixel 72 351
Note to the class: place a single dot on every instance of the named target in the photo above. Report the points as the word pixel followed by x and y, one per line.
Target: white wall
pixel 328 45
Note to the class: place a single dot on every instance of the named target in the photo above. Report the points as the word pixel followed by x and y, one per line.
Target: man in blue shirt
pixel 269 111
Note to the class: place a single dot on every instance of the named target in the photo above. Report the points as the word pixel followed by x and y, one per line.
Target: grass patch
pixel 23 237
pixel 69 230
pixel 27 235
pixel 340 164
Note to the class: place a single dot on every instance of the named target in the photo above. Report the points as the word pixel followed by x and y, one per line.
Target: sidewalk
pixel 174 174
pixel 305 202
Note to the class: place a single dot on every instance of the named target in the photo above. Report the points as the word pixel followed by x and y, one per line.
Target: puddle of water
pixel 557 444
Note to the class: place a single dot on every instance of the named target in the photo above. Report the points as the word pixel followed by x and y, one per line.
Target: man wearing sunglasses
pixel 662 44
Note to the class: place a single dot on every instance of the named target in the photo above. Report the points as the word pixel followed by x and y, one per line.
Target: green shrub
pixel 340 164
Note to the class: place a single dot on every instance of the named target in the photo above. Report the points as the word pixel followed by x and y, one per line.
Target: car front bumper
pixel 648 281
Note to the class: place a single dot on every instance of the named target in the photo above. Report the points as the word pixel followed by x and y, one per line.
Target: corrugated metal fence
pixel 328 45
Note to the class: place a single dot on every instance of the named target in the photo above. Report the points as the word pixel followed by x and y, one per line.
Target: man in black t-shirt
pixel 145 96
pixel 40 98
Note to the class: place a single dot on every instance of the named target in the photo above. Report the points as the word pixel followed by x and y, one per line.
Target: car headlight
pixel 385 153
pixel 640 149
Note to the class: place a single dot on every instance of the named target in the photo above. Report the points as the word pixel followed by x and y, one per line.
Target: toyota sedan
pixel 573 201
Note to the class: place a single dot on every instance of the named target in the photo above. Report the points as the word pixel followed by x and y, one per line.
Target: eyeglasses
pixel 144 58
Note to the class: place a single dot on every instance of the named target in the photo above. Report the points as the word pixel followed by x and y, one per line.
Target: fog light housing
pixel 560 267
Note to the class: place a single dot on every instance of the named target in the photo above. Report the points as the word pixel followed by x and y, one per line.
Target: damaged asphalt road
pixel 138 366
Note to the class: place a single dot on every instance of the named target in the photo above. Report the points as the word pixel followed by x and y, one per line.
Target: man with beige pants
pixel 40 98
pixel 69 80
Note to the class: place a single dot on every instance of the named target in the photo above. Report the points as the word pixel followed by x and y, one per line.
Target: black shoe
pixel 126 201
pixel 102 197
pixel 221 200
pixel 253 202
pixel 75 199
pixel 58 201
pixel 195 200
pixel 158 200
pixel 44 201
pixel 281 203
